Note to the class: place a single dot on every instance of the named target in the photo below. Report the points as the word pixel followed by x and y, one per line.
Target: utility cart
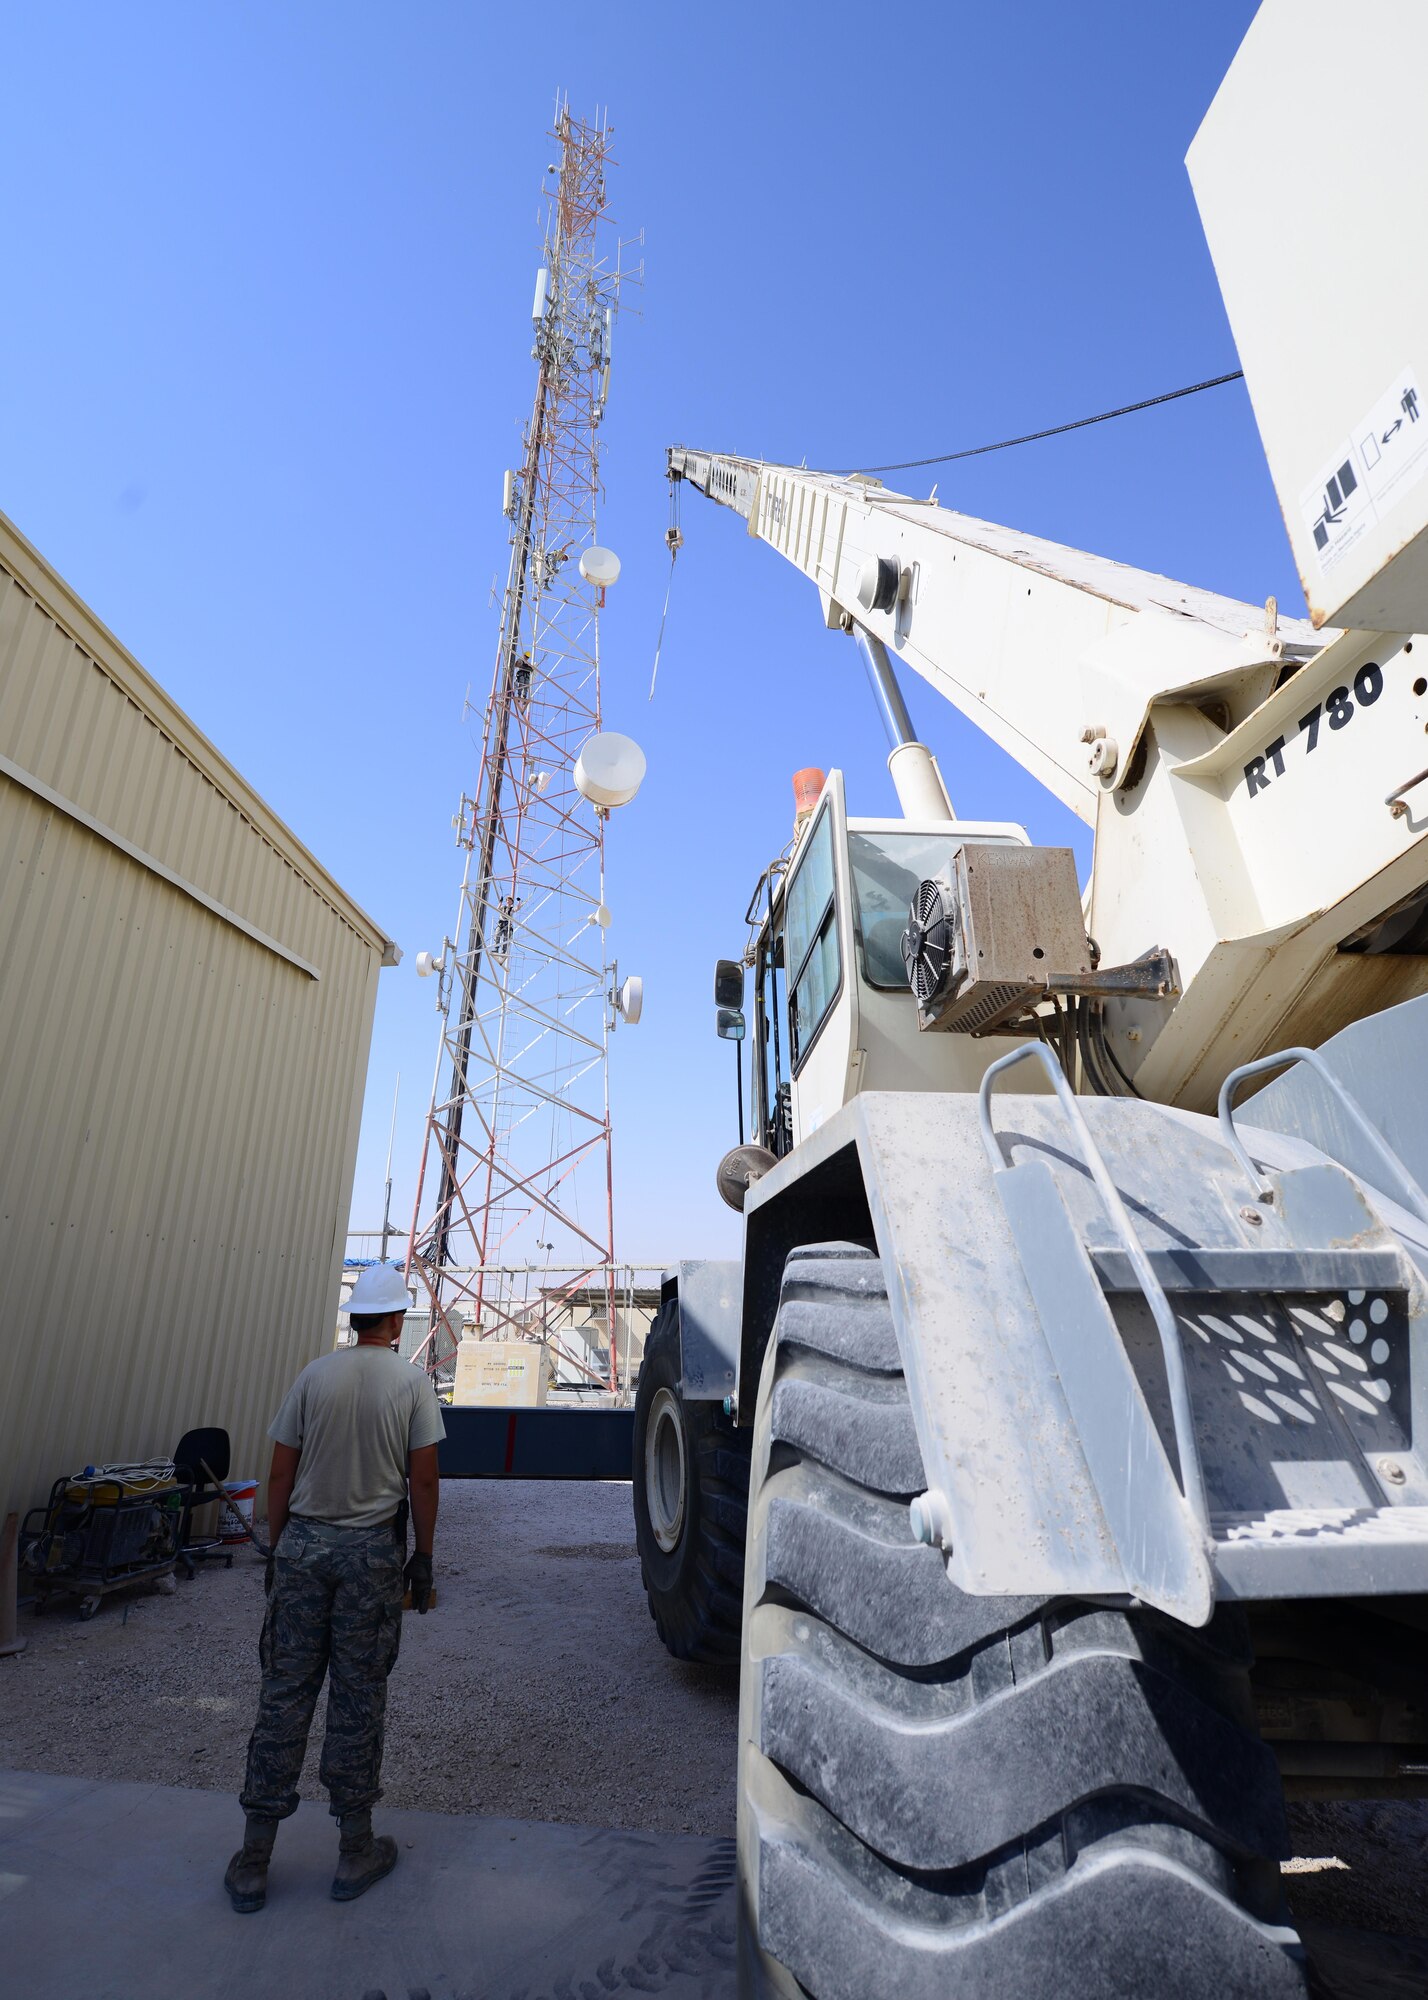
pixel 102 1531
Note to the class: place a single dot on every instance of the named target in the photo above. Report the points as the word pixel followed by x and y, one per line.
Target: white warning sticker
pixel 1369 474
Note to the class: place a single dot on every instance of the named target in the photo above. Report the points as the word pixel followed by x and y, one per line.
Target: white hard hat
pixel 380 1289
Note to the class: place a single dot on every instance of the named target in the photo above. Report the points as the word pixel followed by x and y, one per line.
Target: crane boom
pixel 1034 642
pixel 1236 767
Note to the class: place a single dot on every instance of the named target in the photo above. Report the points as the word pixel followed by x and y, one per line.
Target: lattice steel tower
pixel 516 1162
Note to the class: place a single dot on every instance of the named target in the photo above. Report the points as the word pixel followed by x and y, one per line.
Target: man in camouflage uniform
pixel 354 1427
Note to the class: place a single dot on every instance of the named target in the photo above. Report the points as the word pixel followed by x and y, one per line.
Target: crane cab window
pixel 887 868
pixel 811 954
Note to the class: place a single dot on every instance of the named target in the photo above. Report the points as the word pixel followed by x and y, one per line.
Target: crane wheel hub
pixel 665 1472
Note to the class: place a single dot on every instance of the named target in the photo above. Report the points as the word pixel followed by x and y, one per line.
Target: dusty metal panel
pixel 710 1299
pixel 1162 1556
pixel 1383 1064
pixel 179 1102
pixel 1303 1336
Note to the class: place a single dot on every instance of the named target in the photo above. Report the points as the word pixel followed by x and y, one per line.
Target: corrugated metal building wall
pixel 186 1003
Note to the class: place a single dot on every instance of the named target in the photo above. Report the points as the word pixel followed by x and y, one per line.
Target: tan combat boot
pixel 247 1877
pixel 363 1857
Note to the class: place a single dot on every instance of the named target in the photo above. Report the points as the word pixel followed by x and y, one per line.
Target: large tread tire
pixel 694 1589
pixel 943 1795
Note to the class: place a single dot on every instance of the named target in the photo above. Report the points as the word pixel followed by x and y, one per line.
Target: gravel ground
pixel 535 1690
pixel 1362 1865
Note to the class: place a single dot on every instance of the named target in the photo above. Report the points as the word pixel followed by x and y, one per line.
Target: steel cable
pixel 1057 430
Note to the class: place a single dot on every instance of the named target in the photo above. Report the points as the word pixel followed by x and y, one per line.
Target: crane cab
pixel 833 1013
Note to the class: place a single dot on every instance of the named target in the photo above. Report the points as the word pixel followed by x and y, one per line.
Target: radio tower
pixel 516 1160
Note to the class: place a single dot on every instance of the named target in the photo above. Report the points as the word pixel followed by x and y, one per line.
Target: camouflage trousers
pixel 335 1609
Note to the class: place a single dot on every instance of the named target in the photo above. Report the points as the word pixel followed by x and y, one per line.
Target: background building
pixel 186 1002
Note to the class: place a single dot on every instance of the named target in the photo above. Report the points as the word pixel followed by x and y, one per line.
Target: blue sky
pixel 264 355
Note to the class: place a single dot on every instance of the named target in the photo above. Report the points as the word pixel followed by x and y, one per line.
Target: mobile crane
pixel 1055 1464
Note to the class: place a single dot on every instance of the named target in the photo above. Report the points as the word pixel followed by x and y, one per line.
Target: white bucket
pixel 242 1494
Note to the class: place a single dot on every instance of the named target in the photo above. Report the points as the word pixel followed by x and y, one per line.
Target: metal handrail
pixel 1416 1199
pixel 1192 1476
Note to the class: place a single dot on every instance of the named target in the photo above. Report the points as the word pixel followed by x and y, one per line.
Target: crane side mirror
pixel 728 983
pixel 729 1024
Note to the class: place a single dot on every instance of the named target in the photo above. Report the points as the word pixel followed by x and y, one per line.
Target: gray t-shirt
pixel 354 1415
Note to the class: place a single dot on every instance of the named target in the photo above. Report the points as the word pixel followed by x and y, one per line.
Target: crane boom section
pixel 1254 785
pixel 1036 643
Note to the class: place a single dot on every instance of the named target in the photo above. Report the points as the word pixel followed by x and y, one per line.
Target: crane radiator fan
pixel 989 937
pixel 929 944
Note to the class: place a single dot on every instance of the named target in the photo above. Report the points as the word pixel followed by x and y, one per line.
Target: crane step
pixel 1320 1551
pixel 1287 1269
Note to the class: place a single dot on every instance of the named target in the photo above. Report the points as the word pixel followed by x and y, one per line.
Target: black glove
pixel 418 1576
pixel 268 1577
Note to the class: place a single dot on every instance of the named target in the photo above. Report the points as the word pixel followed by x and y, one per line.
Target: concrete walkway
pixel 114 1892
